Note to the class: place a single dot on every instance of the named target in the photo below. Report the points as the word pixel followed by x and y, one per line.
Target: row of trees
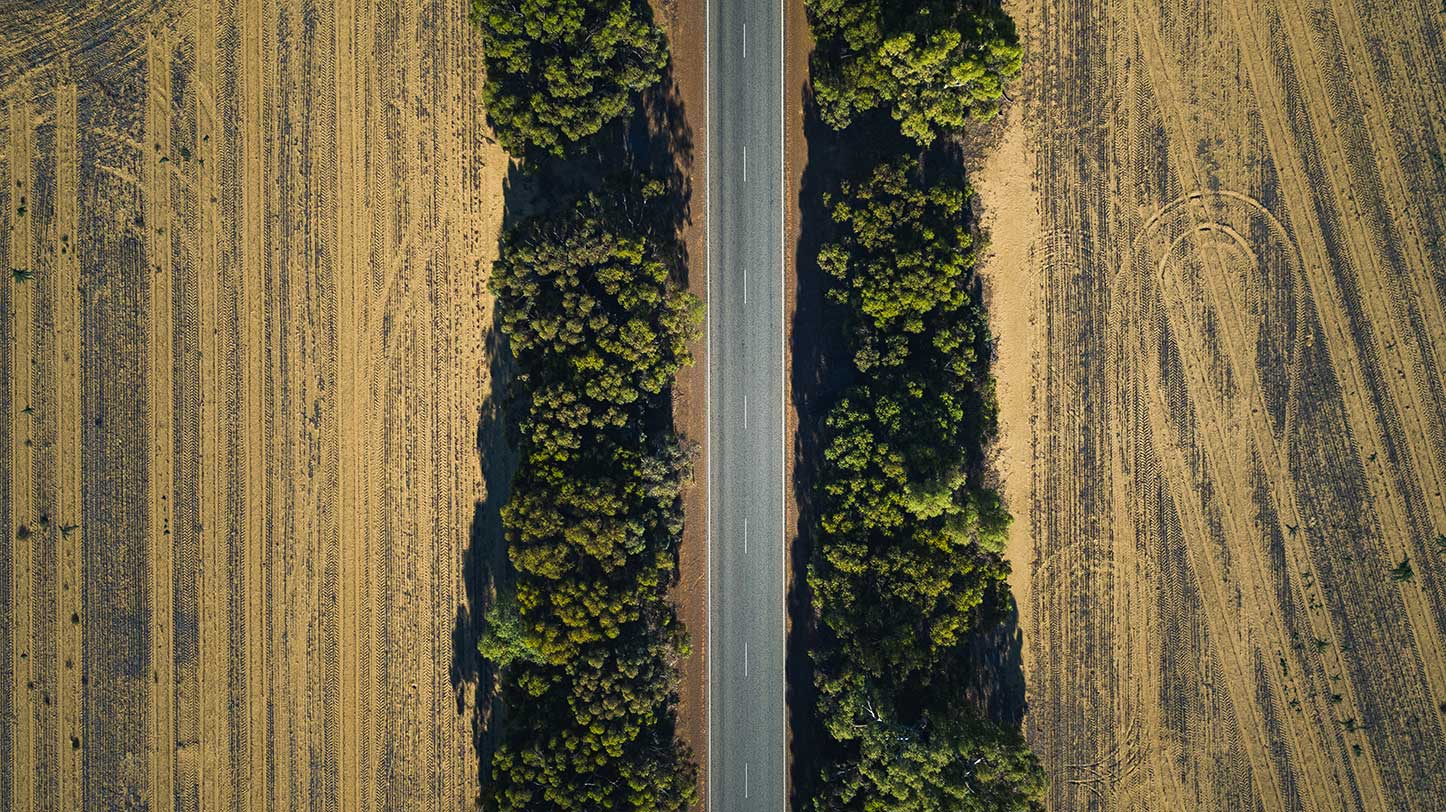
pixel 906 566
pixel 587 639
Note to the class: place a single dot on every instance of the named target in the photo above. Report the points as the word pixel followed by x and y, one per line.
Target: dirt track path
pixel 252 326
pixel 1228 428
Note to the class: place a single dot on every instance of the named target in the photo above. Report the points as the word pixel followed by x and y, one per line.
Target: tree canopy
pixel 558 71
pixel 933 64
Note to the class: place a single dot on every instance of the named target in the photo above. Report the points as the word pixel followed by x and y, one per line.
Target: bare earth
pixel 1218 279
pixel 245 247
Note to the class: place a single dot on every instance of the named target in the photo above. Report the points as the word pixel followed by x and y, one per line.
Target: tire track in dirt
pixel 1195 527
pixel 1221 457
pixel 303 566
pixel 68 533
pixel 1146 645
pixel 19 270
pixel 214 781
pixel 162 443
pixel 1368 431
pixel 250 60
pixel 1278 478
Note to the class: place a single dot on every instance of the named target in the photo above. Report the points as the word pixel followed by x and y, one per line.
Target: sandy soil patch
pixel 245 354
pixel 1222 378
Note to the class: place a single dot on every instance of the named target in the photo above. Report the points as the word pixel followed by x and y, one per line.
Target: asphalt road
pixel 747 763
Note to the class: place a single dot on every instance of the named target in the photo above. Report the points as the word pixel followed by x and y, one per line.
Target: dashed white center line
pixel 745 164
pixel 745 411
pixel 745 284
pixel 745 535
pixel 745 40
pixel 745 658
pixel 745 779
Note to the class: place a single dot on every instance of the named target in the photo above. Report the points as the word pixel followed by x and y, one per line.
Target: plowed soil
pixel 1218 279
pixel 244 358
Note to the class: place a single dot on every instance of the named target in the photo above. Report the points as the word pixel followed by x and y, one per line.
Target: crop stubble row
pixel 243 376
pixel 1237 416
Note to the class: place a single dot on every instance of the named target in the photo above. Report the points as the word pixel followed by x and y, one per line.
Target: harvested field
pixel 245 354
pixel 1223 342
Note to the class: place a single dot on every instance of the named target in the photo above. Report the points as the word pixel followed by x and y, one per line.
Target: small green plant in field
pixel 1403 570
pixel 1320 645
pixel 1356 749
pixel 22 274
pixel 1441 543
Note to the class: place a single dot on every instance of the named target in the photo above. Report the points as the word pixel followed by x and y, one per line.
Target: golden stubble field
pixel 1218 279
pixel 245 247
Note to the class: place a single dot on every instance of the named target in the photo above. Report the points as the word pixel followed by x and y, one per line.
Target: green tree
pixel 558 71
pixel 933 64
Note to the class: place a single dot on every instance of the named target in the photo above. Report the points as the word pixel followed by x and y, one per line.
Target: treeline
pixel 587 640
pixel 906 565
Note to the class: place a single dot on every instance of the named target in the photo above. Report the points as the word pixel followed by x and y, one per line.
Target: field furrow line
pixel 353 404
pixel 371 209
pixel 215 583
pixel 250 59
pixel 9 660
pixel 1367 429
pixel 19 273
pixel 307 683
pixel 69 506
pixel 162 441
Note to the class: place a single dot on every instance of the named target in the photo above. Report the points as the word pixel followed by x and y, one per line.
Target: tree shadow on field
pixel 485 567
pixel 994 661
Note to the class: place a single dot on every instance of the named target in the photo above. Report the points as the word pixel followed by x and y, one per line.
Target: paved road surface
pixel 745 299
